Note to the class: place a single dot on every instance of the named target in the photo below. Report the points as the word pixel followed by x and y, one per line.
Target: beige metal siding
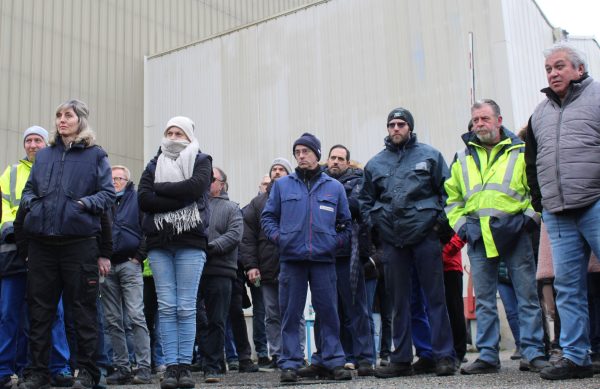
pixel 51 50
pixel 337 69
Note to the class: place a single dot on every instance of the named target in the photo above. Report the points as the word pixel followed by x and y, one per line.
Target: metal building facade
pixel 337 68
pixel 52 50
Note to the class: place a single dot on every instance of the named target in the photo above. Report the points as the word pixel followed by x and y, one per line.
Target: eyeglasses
pixel 400 125
pixel 216 179
pixel 120 179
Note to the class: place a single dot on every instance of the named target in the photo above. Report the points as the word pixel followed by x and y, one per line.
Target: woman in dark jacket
pixel 69 188
pixel 173 194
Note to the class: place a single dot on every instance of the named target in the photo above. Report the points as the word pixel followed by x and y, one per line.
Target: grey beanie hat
pixel 36 130
pixel 283 162
pixel 404 114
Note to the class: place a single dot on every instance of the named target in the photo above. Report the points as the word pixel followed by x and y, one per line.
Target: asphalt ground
pixel 509 377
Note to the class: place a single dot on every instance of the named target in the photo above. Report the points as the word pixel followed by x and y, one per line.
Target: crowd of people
pixel 101 283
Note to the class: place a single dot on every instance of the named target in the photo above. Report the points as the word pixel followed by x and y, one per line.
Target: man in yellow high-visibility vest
pixel 489 206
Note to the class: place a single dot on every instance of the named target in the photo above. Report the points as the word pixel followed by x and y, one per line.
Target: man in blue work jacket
pixel 307 216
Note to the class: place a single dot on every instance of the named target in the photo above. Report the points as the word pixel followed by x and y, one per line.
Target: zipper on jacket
pixel 58 182
pixel 557 163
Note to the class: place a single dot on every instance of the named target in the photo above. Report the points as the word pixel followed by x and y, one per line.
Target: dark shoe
pixel 212 377
pixel 394 369
pixel 234 365
pixel 341 374
pixel 596 363
pixel 384 361
pixel 480 367
pixel 185 379
pixel 247 366
pixel 424 366
pixel 64 379
pixel 83 380
pixel 566 369
pixel 535 366
pixel 142 376
pixel 264 361
pixel 516 355
pixel 120 376
pixel 35 380
pixel 5 382
pixel 314 371
pixel 273 364
pixel 365 369
pixel 196 367
pixel 288 375
pixel 555 355
pixel 445 366
pixel 169 380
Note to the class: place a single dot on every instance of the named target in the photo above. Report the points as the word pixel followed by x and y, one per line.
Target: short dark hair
pixel 340 147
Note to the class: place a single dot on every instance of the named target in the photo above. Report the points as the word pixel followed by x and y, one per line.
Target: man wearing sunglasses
pixel 402 196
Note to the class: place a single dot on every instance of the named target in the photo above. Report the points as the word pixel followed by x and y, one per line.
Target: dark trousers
pixel 594 308
pixel 453 285
pixel 216 293
pixel 426 256
pixel 71 269
pixel 385 310
pixel 150 311
pixel 355 326
pixel 259 333
pixel 238 327
pixel 294 277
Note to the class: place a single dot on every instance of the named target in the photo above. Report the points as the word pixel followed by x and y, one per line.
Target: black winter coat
pixel 256 251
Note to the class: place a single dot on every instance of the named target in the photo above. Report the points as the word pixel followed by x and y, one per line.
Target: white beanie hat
pixel 36 130
pixel 184 123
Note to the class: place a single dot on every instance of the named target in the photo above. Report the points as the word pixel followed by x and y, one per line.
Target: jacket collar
pixel 575 88
pixel 396 148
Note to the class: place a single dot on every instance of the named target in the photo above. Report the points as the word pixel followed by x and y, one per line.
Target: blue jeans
pixel 177 272
pixel 573 235
pixel 521 270
pixel 14 324
pixel 294 277
pixel 426 258
pixel 509 300
pixel 13 331
pixel 123 300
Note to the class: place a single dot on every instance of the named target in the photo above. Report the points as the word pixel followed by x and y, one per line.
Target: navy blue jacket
pixel 60 178
pixel 403 191
pixel 170 196
pixel 127 237
pixel 308 225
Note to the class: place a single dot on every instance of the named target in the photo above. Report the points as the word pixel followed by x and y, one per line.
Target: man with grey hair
pixel 123 289
pixel 562 154
pixel 490 208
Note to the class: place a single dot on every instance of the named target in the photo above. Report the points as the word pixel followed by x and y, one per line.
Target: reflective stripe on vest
pixel 12 197
pixel 503 188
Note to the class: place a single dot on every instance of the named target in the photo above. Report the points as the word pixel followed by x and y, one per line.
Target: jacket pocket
pixel 77 221
pixel 34 219
pixel 324 214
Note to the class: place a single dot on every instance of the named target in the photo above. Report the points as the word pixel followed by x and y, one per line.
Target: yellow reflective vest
pixel 488 195
pixel 12 183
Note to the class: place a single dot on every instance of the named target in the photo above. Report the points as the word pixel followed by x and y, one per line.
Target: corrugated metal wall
pixel 337 69
pixel 592 50
pixel 51 50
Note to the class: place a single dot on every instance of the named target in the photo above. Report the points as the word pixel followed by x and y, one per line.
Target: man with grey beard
pixel 489 206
